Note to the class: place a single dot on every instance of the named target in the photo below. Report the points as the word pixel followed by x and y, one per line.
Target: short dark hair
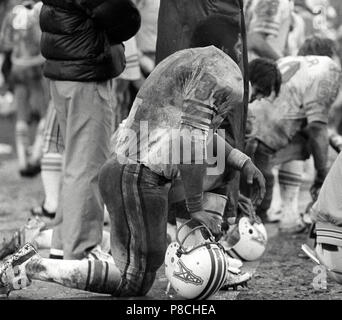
pixel 317 46
pixel 265 76
pixel 217 30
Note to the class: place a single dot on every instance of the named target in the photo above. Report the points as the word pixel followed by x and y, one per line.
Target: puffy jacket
pixel 82 39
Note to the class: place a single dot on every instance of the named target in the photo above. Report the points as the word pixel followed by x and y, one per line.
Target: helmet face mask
pixel 253 240
pixel 196 272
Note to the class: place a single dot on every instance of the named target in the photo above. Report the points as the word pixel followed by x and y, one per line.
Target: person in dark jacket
pixel 82 44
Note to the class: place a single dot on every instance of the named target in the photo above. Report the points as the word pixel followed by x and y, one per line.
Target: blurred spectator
pixel 268 24
pixel 21 37
pixel 147 36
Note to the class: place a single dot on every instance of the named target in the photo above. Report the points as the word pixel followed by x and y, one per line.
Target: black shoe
pixel 42 212
pixel 30 171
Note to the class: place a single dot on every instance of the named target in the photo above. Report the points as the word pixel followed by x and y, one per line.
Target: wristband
pixel 195 203
pixel 237 159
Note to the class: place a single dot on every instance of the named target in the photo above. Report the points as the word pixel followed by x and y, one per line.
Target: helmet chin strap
pixel 182 250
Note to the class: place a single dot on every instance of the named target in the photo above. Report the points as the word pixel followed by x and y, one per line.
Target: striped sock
pixel 94 276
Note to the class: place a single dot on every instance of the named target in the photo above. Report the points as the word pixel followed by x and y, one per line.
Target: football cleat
pixel 234 280
pixel 12 240
pixel 233 263
pixel 274 216
pixel 12 270
pixel 43 214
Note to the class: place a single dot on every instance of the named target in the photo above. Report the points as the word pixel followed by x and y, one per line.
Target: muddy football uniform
pixel 309 86
pixel 189 92
pixel 193 90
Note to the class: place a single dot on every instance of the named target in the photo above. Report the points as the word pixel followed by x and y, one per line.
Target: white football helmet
pixel 252 240
pixel 196 272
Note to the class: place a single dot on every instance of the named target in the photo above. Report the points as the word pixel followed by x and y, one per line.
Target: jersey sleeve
pixel 319 97
pixel 199 86
pixel 267 17
pixel 198 109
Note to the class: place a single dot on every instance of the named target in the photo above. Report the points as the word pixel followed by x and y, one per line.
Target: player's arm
pixel 192 169
pixel 318 99
pixel 240 161
pixel 318 142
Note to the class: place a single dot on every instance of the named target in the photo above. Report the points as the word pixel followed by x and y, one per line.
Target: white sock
pixel 276 198
pixel 51 176
pixel 290 180
pixel 22 142
pixel 37 148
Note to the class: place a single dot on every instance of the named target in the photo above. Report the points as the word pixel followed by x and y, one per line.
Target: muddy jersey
pixel 309 86
pixel 186 95
pixel 272 18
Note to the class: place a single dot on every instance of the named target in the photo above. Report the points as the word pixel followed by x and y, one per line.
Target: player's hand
pixel 246 208
pixel 255 181
pixel 317 185
pixel 314 191
pixel 211 221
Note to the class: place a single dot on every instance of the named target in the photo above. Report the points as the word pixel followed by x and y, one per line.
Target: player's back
pixel 309 86
pixel 195 88
pixel 181 82
pixel 306 79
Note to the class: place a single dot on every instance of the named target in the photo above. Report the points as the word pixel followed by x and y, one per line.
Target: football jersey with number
pixel 187 94
pixel 310 85
pixel 272 18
